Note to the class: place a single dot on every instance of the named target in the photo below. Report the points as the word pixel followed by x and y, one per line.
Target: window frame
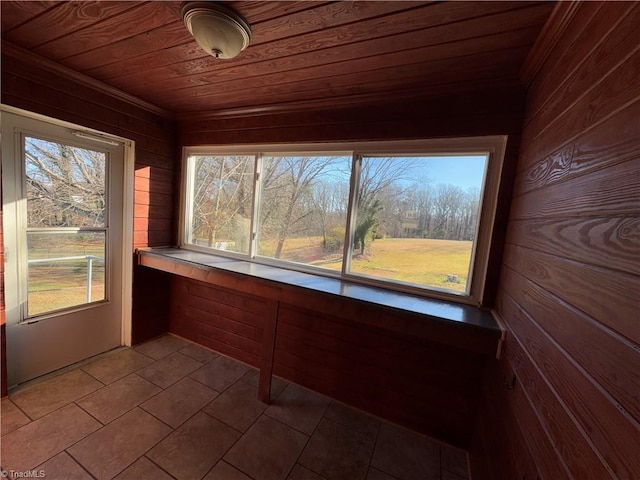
pixel 493 146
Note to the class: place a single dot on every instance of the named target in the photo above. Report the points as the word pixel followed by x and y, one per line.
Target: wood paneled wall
pixel 485 112
pixel 570 283
pixel 225 320
pixel 31 83
pixel 427 386
pixel 423 385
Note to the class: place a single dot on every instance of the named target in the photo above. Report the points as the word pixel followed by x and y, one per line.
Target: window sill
pixel 457 325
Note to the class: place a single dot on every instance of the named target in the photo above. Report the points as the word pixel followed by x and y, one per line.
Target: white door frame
pixel 126 283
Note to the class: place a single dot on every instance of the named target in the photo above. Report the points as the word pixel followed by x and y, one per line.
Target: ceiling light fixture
pixel 220 31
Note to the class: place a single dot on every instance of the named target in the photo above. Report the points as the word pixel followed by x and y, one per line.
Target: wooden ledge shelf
pixel 455 325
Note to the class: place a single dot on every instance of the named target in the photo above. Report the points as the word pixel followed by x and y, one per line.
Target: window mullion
pixel 257 194
pixel 427 211
pixel 188 236
pixel 351 212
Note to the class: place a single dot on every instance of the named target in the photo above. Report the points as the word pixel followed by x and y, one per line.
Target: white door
pixel 63 234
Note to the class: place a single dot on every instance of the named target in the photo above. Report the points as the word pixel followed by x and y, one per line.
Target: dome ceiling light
pixel 220 31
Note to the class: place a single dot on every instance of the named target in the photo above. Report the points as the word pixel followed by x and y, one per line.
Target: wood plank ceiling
pixel 302 54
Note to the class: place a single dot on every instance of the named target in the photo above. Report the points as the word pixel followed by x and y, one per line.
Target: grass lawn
pixel 62 285
pixel 415 260
pixel 56 285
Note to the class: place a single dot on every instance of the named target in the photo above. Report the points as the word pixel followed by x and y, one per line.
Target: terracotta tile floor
pixel 169 409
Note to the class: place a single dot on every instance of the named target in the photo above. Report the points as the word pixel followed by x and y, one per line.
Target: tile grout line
pixel 103 425
pixel 201 410
pixel 245 379
pixel 241 433
pixel 440 461
pixel 150 460
pixel 76 461
pixel 22 411
pixel 309 439
pixel 373 450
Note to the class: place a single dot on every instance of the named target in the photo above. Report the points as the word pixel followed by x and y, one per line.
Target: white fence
pixel 89 258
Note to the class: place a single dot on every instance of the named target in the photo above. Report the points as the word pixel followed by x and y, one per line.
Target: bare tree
pixel 378 176
pixel 288 194
pixel 222 198
pixel 329 206
pixel 65 185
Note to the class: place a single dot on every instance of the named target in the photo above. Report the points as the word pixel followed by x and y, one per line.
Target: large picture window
pixel 414 216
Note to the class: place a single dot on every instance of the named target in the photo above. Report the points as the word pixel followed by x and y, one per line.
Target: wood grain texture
pixel 602 294
pixel 173 36
pixel 256 11
pixel 313 55
pixel 55 92
pixel 46 26
pixel 568 293
pixel 561 17
pixel 468 329
pixel 57 71
pixel 499 233
pixel 394 114
pixel 281 73
pixel 388 352
pixel 598 350
pixel 309 84
pixel 300 51
pixel 143 133
pixel 610 191
pixel 593 20
pixel 603 58
pixel 127 55
pixel 613 142
pixel 16 13
pixel 618 88
pixel 165 36
pixel 591 436
pixel 612 242
pixel 110 29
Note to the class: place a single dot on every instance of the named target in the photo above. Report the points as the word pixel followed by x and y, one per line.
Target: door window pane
pixel 64 270
pixel 65 185
pixel 303 209
pixel 221 201
pixel 416 219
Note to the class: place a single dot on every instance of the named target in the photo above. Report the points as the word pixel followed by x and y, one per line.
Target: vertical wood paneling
pixel 36 85
pixel 568 292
